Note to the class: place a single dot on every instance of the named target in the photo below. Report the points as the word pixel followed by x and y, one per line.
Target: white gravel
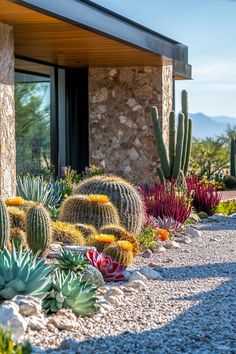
pixel 191 310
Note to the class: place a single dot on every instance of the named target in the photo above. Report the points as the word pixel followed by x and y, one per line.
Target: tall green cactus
pixel 175 161
pixel 233 157
pixel 4 225
pixel 38 229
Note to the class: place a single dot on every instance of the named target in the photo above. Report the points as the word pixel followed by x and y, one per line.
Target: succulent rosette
pixel 110 269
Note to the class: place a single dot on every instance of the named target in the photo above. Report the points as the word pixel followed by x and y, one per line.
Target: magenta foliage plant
pixel 204 196
pixel 110 269
pixel 169 207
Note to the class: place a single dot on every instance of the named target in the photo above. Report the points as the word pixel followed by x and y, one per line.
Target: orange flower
pixel 98 198
pixel 163 234
pixel 125 245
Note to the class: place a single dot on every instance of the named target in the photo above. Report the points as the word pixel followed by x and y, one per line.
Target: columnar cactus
pixel 38 229
pixel 176 159
pixel 4 225
pixel 233 157
pixel 122 194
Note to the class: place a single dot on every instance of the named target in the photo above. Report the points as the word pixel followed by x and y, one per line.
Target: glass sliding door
pixel 33 119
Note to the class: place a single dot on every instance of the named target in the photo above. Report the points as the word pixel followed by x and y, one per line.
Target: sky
pixel 208 28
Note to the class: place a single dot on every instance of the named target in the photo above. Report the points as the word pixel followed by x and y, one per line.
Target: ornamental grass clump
pixel 84 209
pixel 205 198
pixel 67 233
pixel 22 274
pixel 110 269
pixel 169 207
pixel 68 291
pixel 100 241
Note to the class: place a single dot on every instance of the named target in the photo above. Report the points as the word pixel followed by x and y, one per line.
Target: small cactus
pixel 121 252
pixel 67 233
pixel 4 225
pixel 101 241
pixel 38 229
pixel 84 209
pixel 86 229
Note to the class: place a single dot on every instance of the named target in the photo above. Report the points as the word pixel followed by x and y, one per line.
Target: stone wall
pixel 120 128
pixel 7 113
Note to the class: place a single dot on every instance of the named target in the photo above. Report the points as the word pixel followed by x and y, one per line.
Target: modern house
pixel 90 77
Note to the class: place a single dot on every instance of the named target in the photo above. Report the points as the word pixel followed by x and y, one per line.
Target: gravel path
pixel 192 310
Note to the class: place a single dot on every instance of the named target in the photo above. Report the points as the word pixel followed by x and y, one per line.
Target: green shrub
pixel 227 207
pixel 148 238
pixel 8 347
pixel 230 182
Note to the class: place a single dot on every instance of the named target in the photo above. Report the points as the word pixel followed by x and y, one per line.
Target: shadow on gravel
pixel 207 327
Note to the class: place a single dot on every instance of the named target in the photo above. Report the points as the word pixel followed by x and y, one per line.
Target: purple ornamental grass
pixel 204 196
pixel 164 203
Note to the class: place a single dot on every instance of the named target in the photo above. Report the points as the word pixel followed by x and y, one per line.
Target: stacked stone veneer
pixel 120 127
pixel 7 113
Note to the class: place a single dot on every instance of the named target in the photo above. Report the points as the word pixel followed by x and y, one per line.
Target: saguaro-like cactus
pixel 4 225
pixel 233 157
pixel 175 161
pixel 38 229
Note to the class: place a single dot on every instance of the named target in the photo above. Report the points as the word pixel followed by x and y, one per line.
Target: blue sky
pixel 208 27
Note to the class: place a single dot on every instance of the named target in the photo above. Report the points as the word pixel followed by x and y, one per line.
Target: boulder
pixel 12 319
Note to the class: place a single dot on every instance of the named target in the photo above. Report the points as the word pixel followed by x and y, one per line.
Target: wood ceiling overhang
pixel 75 33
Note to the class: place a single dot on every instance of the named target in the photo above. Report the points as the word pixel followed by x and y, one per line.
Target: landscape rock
pixel 171 244
pixel 147 254
pixel 160 249
pixel 114 300
pixel 135 284
pixel 78 249
pixel 11 318
pixel 151 274
pixel 115 292
pixel 136 275
pixel 190 231
pixel 183 239
pixel 28 305
pixel 36 323
pixel 127 274
pixel 64 319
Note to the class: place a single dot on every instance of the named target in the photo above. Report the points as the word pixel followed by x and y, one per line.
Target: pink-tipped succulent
pixel 110 269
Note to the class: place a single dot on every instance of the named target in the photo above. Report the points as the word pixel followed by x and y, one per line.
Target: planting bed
pixel 192 309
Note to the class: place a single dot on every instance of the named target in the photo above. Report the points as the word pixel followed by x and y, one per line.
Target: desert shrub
pixel 7 346
pixel 204 196
pixel 148 238
pixel 230 182
pixel 227 207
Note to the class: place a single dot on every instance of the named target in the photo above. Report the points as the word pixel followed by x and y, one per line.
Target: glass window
pixel 33 146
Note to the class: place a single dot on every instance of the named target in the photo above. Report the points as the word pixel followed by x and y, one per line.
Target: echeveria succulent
pixel 110 269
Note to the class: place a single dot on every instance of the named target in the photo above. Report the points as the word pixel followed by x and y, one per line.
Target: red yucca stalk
pixel 204 196
pixel 162 201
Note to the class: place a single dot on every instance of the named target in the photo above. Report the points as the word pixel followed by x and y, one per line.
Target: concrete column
pixel 7 113
pixel 120 127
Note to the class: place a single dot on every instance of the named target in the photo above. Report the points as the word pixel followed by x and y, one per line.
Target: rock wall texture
pixel 7 113
pixel 120 127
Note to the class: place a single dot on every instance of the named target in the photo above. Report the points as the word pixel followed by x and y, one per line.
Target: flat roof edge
pixel 96 18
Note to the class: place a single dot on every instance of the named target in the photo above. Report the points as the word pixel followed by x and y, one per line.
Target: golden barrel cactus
pixel 66 233
pixel 121 252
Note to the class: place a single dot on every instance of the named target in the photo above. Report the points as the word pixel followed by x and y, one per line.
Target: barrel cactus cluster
pixel 174 160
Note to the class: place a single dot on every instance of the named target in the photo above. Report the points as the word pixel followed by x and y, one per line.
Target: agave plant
pixel 68 291
pixel 22 273
pixel 70 261
pixel 37 189
pixel 110 269
pixel 168 223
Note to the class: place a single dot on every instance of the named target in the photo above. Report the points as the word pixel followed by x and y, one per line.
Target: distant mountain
pixel 204 126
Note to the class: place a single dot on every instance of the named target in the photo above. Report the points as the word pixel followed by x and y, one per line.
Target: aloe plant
pixel 68 291
pixel 22 273
pixel 69 261
pixel 37 189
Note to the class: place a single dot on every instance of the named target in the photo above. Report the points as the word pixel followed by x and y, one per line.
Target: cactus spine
pixel 38 229
pixel 176 159
pixel 233 157
pixel 4 225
